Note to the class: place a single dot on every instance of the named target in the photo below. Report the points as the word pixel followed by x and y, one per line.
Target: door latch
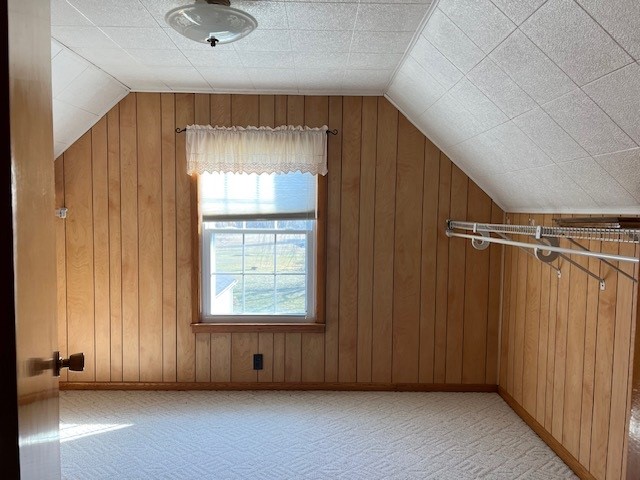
pixel 74 363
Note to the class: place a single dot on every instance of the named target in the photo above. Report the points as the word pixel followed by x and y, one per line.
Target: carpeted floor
pixel 298 435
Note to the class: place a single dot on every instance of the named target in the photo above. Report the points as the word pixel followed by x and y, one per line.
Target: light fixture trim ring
pixel 201 21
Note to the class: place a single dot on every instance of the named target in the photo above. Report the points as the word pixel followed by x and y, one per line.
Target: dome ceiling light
pixel 211 21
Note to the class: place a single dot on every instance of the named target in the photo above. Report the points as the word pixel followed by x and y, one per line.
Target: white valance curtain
pixel 256 149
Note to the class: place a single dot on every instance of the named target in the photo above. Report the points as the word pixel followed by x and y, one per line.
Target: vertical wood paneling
pixel 365 236
pixel 430 181
pixel 316 114
pixel 513 303
pixel 630 460
pixel 575 357
pixel 280 109
pixel 455 290
pixel 185 340
pixel 312 362
pixel 605 334
pixel 278 357
pixel 591 324
pixel 531 331
pixel 543 337
pixel 150 236
pixel 389 268
pixel 79 254
pixel 115 242
pixel 220 357
pixel 506 327
pixel 292 357
pixel 476 293
pixel 381 335
pixel 583 352
pixel 562 315
pixel 407 250
pixel 442 271
pixel 621 362
pixel 551 347
pixel 268 111
pixel 220 110
pixel 61 267
pixel 349 219
pixel 243 346
pixel 202 116
pixel 203 357
pixel 129 232
pixel 100 189
pixel 520 317
pixel 202 108
pixel 168 237
pixel 295 110
pixel 265 347
pixel 245 110
pixel 493 307
pixel 334 182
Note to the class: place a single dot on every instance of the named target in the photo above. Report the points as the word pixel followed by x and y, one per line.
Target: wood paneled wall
pixel 567 349
pixel 404 304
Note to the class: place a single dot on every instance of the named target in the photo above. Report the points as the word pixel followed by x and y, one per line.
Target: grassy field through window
pixel 269 270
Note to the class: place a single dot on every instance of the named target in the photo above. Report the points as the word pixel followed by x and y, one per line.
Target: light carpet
pixel 298 435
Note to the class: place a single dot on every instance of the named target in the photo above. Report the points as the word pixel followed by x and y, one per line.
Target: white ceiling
pixel 537 100
pixel 82 94
pixel 329 47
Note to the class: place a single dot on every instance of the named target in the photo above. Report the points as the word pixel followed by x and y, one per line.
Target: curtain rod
pixel 332 132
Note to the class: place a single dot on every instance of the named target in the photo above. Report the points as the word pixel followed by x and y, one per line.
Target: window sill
pixel 258 327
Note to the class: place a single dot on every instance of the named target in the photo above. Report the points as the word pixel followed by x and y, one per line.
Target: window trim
pixel 314 323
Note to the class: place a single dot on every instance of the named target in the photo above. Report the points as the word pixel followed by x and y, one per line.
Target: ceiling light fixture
pixel 211 21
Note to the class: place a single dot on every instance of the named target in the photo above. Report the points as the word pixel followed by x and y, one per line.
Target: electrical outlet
pixel 257 361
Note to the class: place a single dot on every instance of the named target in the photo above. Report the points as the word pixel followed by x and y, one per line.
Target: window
pixel 259 257
pixel 262 226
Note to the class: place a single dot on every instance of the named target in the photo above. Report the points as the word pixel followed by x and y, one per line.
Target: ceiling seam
pixel 487 56
pixel 538 105
pixel 420 28
pixel 542 105
pixel 353 34
pixel 605 30
pixel 603 111
pixel 578 87
pixel 631 194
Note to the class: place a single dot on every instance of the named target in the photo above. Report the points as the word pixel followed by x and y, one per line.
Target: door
pixel 34 262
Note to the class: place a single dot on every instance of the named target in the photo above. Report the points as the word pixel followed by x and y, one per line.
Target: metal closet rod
pixel 601 234
pixel 549 248
pixel 329 132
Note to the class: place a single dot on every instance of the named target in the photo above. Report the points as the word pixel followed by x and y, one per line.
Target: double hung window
pixel 261 223
pixel 258 259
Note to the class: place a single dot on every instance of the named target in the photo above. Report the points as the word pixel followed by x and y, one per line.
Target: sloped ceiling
pixel 82 94
pixel 537 100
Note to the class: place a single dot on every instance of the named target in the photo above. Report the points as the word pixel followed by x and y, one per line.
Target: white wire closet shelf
pixel 546 239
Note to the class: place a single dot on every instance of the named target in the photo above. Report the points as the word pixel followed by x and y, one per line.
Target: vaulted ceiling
pixel 537 100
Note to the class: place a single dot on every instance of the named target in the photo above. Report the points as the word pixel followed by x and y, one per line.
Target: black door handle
pixel 75 363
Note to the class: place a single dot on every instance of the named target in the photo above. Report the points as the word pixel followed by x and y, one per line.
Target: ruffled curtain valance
pixel 256 149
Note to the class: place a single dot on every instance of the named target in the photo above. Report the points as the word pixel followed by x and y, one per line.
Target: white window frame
pixel 311 269
pixel 316 264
